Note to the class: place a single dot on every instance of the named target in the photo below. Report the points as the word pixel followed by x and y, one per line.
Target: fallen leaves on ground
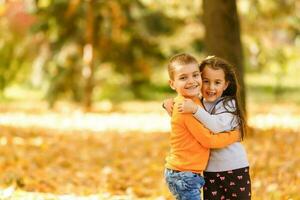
pixel 83 163
pixel 131 163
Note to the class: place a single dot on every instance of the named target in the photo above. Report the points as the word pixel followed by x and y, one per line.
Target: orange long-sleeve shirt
pixel 190 141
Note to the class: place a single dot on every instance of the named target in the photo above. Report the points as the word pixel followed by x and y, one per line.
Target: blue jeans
pixel 184 185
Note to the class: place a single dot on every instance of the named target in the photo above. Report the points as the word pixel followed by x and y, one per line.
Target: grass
pixel 260 87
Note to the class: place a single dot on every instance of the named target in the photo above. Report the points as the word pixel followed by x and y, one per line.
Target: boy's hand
pixel 187 106
pixel 168 105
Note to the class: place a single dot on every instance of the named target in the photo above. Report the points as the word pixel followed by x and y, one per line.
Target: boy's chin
pixel 191 95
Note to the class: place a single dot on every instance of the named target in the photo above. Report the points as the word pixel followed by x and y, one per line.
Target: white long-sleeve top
pixel 216 118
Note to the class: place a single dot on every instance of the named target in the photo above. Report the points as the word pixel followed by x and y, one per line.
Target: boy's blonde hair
pixel 180 59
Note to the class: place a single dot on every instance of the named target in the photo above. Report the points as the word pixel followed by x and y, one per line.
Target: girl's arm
pixel 205 138
pixel 168 105
pixel 216 123
pixel 182 123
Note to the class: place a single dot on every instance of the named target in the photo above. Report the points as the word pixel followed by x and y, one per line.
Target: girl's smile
pixel 213 83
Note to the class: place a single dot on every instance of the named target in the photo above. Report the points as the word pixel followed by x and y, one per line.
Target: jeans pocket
pixel 171 183
pixel 184 185
pixel 190 181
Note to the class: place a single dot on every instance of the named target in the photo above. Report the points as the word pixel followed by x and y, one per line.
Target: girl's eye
pixel 196 75
pixel 205 81
pixel 182 78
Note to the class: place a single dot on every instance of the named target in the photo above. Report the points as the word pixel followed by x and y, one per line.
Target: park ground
pixel 65 153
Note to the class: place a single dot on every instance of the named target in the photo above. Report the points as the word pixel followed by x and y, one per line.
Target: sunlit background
pixel 82 82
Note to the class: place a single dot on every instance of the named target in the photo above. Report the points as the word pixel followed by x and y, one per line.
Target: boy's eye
pixel 196 75
pixel 205 81
pixel 182 78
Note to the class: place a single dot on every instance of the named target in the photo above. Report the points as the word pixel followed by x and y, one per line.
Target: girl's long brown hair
pixel 232 92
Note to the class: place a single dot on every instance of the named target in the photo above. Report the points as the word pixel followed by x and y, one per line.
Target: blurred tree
pixel 88 54
pixel 222 35
pixel 124 33
pixel 60 28
pixel 8 69
pixel 14 53
pixel 271 35
pixel 81 45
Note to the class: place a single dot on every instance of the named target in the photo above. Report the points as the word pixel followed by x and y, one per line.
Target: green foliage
pixel 198 45
pixel 148 92
pixel 270 32
pixel 14 59
pixel 135 38
pixel 126 34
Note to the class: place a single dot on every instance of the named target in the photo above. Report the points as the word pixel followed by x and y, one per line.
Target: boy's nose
pixel 191 80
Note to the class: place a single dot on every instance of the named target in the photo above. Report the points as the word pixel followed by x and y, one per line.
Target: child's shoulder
pixel 178 99
pixel 228 103
pixel 176 116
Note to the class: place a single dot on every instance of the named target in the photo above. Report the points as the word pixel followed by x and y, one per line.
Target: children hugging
pixel 207 125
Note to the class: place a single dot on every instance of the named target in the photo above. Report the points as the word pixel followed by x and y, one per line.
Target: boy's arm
pixel 205 138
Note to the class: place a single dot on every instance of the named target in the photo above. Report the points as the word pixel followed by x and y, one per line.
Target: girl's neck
pixel 211 102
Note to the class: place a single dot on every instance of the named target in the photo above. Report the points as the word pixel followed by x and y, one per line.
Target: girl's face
pixel 187 80
pixel 213 83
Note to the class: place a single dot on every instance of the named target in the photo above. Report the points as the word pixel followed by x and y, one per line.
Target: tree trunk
pixel 88 56
pixel 222 36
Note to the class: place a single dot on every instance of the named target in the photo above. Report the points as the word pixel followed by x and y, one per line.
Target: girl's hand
pixel 168 105
pixel 187 106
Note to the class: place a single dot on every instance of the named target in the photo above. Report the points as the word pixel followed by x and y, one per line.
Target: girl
pixel 227 173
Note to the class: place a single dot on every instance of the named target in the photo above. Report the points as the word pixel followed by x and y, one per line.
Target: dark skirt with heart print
pixel 227 185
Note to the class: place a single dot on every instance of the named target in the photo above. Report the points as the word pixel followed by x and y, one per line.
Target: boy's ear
pixel 171 83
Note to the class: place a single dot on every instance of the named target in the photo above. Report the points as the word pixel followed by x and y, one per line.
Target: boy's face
pixel 187 80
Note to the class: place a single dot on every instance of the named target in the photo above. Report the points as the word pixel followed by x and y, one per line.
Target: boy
pixel 189 140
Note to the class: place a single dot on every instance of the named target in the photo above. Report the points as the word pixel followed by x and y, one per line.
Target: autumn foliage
pixel 83 163
pixel 131 163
